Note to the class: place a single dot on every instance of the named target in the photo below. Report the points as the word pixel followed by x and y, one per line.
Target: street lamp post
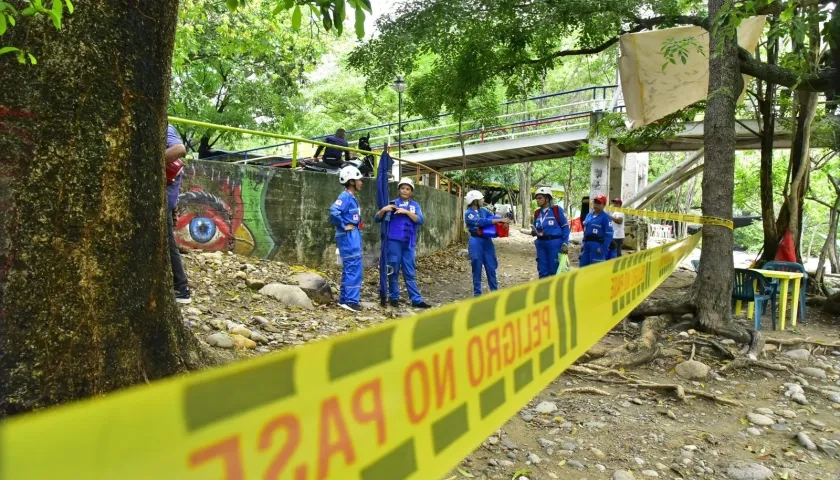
pixel 399 87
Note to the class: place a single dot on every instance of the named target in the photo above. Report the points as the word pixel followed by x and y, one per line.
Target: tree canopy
pixel 516 42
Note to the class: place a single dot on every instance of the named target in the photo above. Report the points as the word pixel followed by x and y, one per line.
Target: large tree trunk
pixel 525 193
pixel 829 249
pixel 790 215
pixel 767 102
pixel 712 291
pixel 86 290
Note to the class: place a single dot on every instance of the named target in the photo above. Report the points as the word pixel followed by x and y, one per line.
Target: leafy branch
pixel 679 47
pixel 9 17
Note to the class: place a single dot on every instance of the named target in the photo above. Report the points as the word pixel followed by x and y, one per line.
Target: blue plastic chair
pixel 695 264
pixel 792 267
pixel 751 286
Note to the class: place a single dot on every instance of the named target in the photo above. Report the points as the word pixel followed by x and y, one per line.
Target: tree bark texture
pixel 790 214
pixel 829 249
pixel 712 290
pixel 86 289
pixel 767 102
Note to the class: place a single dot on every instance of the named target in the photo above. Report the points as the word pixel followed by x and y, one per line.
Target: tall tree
pixel 86 301
pixel 712 292
pixel 241 68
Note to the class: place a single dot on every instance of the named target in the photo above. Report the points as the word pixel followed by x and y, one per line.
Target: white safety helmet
pixel 349 173
pixel 543 191
pixel 474 195
pixel 406 181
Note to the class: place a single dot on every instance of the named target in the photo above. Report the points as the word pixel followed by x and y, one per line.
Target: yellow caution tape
pixel 722 222
pixel 406 400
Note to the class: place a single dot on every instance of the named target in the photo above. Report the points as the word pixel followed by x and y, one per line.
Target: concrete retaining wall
pixel 283 214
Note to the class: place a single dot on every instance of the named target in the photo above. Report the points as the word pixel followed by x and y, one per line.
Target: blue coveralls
pixel 597 233
pixel 402 237
pixel 555 234
pixel 482 251
pixel 345 211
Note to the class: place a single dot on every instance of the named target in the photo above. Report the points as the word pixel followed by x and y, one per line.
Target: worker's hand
pixel 565 248
pixel 349 227
pixel 401 211
pixel 502 220
pixel 598 251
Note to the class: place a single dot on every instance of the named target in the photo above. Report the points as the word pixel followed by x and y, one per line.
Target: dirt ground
pixel 633 432
pixel 652 433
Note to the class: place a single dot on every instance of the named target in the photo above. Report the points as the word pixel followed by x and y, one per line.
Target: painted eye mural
pixel 211 212
pixel 205 221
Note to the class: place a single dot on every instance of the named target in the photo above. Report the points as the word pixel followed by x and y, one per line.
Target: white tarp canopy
pixel 651 92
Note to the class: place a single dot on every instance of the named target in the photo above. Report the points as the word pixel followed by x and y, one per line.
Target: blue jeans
pixel 548 253
pixel 401 256
pixel 350 249
pixel 590 255
pixel 483 253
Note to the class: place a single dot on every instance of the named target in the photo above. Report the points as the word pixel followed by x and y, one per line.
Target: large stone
pixel 314 285
pixel 760 420
pixel 814 372
pixel 243 343
pixel 800 354
pixel 752 471
pixel 220 340
pixel 692 370
pixel 241 330
pixel 546 407
pixel 288 294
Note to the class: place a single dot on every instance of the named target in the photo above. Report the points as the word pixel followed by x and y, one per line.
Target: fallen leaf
pixel 519 473
pixel 466 474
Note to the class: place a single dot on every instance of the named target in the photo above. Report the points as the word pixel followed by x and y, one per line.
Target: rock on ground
pixel 288 294
pixel 799 354
pixel 243 343
pixel 545 407
pixel 752 471
pixel 692 370
pixel 760 420
pixel 814 372
pixel 315 286
pixel 220 340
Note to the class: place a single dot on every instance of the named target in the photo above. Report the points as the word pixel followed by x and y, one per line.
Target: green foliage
pixel 333 13
pixel 613 126
pixel 9 17
pixel 680 47
pixel 241 68
pixel 475 45
pixel 340 100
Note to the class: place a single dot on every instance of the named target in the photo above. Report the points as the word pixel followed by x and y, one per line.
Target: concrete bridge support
pixel 614 173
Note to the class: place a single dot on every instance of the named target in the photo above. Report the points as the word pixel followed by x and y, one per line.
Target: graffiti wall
pixel 282 214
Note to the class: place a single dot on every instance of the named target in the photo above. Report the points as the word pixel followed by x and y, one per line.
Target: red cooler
pixel 502 230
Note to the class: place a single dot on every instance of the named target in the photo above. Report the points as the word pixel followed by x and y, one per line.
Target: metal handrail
pixel 602 89
pixel 295 141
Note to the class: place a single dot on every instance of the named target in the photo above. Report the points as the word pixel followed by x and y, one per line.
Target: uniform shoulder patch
pixel 470 216
pixel 338 202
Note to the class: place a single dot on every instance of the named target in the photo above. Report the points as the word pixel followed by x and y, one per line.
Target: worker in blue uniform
pixel 347 218
pixel 597 233
pixel 406 218
pixel 481 249
pixel 552 231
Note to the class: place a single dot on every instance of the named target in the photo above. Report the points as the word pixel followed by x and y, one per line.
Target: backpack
pixel 556 210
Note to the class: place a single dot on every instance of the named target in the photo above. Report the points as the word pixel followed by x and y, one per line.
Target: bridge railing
pixel 423 174
pixel 540 115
